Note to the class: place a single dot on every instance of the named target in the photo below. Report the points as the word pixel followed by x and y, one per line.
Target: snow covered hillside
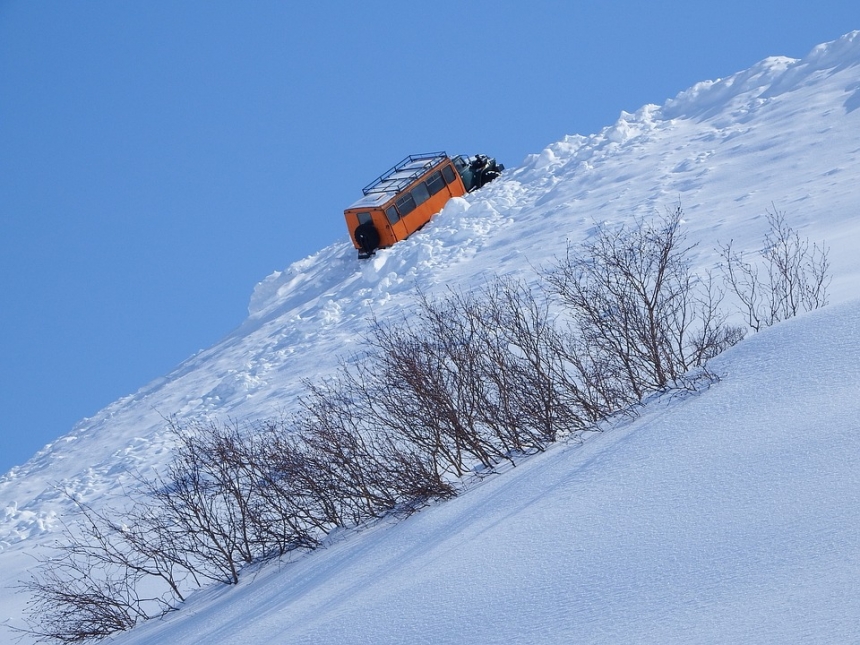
pixel 727 516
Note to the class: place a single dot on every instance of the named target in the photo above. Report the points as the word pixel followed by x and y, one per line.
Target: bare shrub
pixel 288 512
pixel 473 378
pixel 533 399
pixel 361 471
pixel 90 587
pixel 441 384
pixel 794 278
pixel 78 600
pixel 640 318
pixel 424 389
pixel 207 497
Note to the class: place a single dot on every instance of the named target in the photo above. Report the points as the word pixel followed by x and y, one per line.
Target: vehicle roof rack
pixel 403 173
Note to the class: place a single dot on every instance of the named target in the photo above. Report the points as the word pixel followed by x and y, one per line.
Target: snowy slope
pixel 785 132
pixel 729 517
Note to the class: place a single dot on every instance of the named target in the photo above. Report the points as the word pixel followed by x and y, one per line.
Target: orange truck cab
pixel 404 198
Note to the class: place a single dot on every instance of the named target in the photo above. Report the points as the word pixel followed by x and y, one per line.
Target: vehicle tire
pixel 367 238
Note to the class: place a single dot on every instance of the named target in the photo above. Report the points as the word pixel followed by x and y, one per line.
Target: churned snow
pixel 730 515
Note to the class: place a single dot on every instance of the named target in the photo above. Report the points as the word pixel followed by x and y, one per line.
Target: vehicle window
pixel 420 194
pixel 448 174
pixel 405 204
pixel 435 183
pixel 391 214
pixel 364 218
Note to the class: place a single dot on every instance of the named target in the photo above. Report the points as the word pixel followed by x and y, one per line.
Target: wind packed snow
pixel 730 515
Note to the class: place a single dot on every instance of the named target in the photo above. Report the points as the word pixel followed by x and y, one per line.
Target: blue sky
pixel 158 159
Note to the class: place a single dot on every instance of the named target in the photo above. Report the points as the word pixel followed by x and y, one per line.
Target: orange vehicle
pixel 404 198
